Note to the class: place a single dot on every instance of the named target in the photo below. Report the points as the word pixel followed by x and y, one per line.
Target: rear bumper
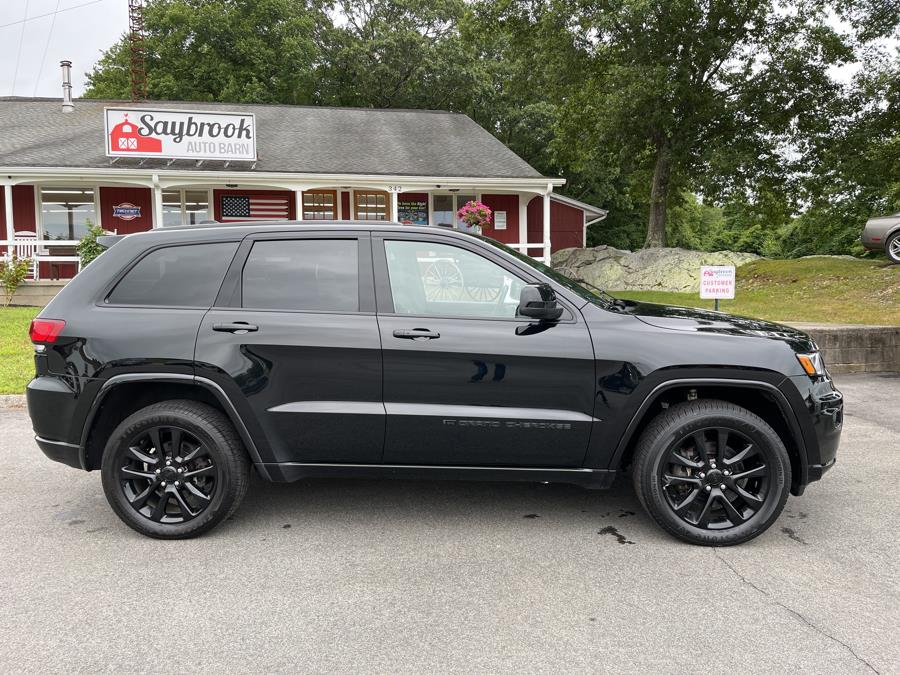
pixel 52 406
pixel 58 451
pixel 872 243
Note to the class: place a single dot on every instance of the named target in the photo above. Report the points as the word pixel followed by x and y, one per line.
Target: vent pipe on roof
pixel 68 105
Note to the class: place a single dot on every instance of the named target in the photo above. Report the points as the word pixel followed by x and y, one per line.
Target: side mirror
pixel 538 301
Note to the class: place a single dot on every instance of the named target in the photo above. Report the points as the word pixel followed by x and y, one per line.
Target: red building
pixel 59 171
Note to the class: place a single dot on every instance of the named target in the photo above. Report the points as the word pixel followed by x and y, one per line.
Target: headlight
pixel 813 364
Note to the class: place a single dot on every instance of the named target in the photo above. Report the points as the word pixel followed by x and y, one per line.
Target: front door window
pixel 429 279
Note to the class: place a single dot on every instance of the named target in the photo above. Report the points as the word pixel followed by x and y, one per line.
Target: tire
pixel 892 248
pixel 752 474
pixel 209 467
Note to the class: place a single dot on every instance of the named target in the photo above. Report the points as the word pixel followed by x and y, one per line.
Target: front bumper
pixel 825 407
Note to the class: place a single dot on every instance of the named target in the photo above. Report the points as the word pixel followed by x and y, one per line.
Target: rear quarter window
pixel 175 276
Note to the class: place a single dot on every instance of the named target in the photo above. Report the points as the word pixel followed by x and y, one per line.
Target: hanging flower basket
pixel 476 215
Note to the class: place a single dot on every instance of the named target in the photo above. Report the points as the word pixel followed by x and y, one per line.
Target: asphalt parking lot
pixel 403 576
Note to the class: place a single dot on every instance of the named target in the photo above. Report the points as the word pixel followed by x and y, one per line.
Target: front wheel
pixel 711 473
pixel 892 249
pixel 175 469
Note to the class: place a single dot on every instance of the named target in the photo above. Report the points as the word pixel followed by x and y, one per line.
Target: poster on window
pixel 412 211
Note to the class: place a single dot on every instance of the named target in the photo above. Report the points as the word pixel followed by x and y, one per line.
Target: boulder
pixel 650 269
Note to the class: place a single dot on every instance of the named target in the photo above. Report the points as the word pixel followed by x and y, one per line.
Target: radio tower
pixel 136 44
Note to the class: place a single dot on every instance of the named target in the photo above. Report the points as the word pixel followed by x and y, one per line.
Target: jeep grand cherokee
pixel 180 358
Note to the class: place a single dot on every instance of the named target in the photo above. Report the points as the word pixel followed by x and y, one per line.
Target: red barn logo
pixel 124 137
pixel 126 211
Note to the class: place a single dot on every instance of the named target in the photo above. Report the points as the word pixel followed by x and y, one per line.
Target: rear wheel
pixel 892 248
pixel 711 472
pixel 175 469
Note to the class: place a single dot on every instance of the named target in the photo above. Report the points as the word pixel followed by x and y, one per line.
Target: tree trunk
pixel 659 196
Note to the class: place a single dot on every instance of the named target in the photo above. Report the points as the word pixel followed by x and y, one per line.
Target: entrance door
pixel 466 382
pixel 298 341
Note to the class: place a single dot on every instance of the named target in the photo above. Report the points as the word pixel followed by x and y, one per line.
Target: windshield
pixel 562 279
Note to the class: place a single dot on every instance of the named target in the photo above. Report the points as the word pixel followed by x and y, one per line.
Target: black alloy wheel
pixel 167 475
pixel 715 478
pixel 711 472
pixel 175 469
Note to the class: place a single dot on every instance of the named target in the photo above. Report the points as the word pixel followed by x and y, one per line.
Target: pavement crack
pixel 738 574
pixel 828 635
pixel 797 614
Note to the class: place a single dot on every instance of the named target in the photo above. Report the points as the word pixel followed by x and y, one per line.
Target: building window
pixel 65 212
pixel 185 207
pixel 446 206
pixel 370 205
pixel 319 205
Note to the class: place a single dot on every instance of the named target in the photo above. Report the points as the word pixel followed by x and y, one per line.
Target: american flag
pixel 235 207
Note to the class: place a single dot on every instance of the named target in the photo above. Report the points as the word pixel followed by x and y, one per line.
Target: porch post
pixel 547 226
pixel 157 204
pixel 523 221
pixel 8 210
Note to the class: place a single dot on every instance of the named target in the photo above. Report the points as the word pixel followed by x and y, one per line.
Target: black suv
pixel 182 357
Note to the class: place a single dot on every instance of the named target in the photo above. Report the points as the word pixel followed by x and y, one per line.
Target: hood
pixel 706 321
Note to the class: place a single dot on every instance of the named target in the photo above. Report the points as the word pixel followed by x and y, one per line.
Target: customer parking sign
pixel 717 282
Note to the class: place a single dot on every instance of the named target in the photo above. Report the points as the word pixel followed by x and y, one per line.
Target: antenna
pixel 136 44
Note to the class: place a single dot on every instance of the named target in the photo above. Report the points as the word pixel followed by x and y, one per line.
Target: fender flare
pixel 217 391
pixel 781 400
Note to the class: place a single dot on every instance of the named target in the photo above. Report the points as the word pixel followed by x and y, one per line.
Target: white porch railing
pixel 524 248
pixel 38 251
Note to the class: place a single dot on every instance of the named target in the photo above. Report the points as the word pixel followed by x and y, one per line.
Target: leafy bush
pixel 13 272
pixel 89 248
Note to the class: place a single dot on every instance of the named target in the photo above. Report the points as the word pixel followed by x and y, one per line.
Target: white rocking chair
pixel 25 247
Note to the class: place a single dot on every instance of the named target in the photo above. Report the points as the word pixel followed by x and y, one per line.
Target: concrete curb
pixel 852 348
pixel 12 401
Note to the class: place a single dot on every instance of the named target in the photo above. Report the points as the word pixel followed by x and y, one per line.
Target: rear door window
pixel 176 276
pixel 313 275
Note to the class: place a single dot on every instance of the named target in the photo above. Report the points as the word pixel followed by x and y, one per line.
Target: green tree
pixel 853 171
pixel 395 54
pixel 706 94
pixel 260 51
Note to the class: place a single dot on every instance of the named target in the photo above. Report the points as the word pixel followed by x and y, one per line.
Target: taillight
pixel 45 330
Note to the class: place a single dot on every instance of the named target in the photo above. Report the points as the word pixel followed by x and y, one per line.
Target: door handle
pixel 238 327
pixel 416 334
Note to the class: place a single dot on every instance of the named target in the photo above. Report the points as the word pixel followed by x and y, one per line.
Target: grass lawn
pixel 16 352
pixel 814 290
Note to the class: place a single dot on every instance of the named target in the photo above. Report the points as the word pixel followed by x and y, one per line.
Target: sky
pixel 79 34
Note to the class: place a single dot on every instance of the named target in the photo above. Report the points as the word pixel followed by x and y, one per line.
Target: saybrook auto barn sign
pixel 180 134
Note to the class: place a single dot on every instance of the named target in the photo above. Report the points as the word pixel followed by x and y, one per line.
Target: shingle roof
pixel 34 132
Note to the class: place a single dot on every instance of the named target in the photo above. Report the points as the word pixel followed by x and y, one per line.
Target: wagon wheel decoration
pixel 483 293
pixel 443 281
